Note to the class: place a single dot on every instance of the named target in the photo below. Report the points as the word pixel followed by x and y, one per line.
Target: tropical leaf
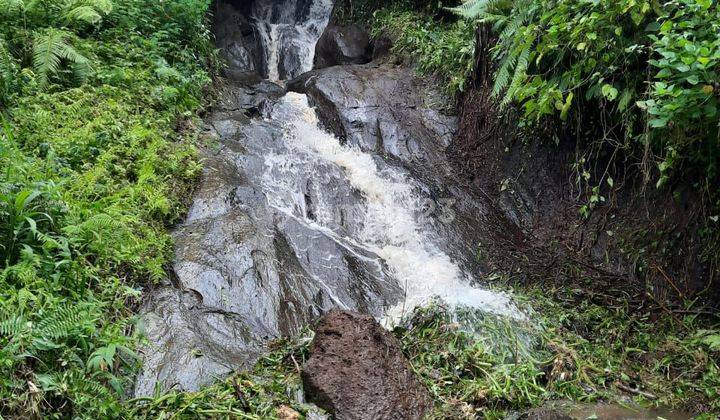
pixel 90 12
pixel 50 49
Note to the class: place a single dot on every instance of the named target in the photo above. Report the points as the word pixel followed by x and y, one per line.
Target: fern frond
pixel 511 27
pixel 85 14
pixel 46 53
pixel 478 9
pixel 53 46
pixel 60 323
pixel 502 76
pixel 90 12
pixel 12 326
pixel 520 72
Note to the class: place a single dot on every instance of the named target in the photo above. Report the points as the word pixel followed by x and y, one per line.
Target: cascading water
pixel 288 223
pixel 289 31
pixel 390 225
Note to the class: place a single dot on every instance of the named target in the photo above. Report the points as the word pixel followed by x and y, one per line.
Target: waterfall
pixel 288 31
pixel 288 223
pixel 390 217
pixel 271 39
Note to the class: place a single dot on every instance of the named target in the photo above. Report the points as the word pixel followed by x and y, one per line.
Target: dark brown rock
pixel 342 45
pixel 382 46
pixel 356 370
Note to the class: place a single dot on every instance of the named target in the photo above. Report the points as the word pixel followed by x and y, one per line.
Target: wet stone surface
pixel 341 45
pixel 389 111
pixel 247 272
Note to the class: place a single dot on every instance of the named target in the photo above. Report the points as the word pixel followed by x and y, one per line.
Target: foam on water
pixel 392 227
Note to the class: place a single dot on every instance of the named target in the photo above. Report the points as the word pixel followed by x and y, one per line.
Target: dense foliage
pixel 639 76
pixel 652 67
pixel 92 171
pixel 438 46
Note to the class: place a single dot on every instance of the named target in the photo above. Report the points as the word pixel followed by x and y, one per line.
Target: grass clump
pixel 573 349
pixel 97 159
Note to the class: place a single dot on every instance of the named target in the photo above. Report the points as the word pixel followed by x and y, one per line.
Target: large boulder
pixel 356 370
pixel 341 45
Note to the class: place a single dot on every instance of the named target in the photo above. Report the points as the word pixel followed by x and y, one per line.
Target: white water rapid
pixel 392 225
pixel 289 31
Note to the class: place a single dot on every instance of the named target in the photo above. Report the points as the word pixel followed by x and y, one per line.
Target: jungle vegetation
pixel 98 108
pixel 97 99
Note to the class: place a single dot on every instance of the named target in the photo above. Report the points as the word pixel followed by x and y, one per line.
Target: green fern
pixel 502 75
pixel 12 326
pixel 53 47
pixel 510 19
pixel 479 9
pixel 88 11
pixel 61 322
pixel 520 72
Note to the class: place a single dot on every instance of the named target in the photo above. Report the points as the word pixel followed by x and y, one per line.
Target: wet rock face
pixel 356 370
pixel 245 271
pixel 342 45
pixel 271 38
pixel 385 109
pixel 389 111
pixel 237 39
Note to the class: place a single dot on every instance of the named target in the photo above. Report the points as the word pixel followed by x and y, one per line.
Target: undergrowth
pixel 273 386
pixel 572 349
pixel 97 158
pixel 477 365
pixel 439 48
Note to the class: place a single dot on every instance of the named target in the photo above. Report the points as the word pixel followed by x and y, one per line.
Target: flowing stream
pixel 289 222
pixel 391 222
pixel 289 31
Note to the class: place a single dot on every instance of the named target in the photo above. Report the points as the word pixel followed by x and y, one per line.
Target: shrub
pixel 653 68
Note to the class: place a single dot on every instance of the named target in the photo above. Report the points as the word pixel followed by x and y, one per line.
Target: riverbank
pixel 577 348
